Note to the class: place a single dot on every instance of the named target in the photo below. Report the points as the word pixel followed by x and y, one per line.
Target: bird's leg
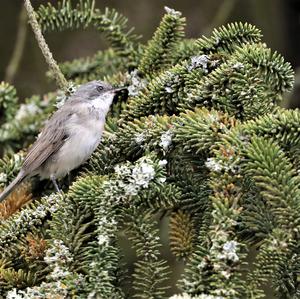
pixel 52 177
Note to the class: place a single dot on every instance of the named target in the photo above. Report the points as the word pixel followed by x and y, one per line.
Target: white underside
pixel 83 139
pixel 76 150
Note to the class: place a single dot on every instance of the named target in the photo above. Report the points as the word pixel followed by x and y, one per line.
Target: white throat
pixel 103 101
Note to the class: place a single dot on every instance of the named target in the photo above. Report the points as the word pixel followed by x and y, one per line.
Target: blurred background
pixel 279 21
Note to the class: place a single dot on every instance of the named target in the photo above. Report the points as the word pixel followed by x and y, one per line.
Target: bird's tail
pixel 19 178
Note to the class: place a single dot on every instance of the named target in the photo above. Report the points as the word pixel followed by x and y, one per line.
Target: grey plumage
pixel 69 136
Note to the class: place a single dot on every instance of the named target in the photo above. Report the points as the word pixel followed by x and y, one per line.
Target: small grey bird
pixel 70 136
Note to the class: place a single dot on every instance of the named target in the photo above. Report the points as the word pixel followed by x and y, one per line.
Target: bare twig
pixel 15 60
pixel 58 75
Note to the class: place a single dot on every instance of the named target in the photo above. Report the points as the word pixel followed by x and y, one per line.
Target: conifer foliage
pixel 201 143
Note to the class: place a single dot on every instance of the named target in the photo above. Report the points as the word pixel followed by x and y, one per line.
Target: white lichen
pixel 213 165
pixel 230 246
pixel 169 89
pixel 163 162
pixel 122 170
pixel 229 252
pixel 103 239
pixel 130 189
pixel 162 180
pixel 137 83
pixel 172 11
pixel 13 294
pixel 238 66
pixel 226 274
pixel 3 178
pixel 202 264
pixel 41 211
pixel 53 200
pixel 45 290
pixel 59 273
pixel 58 253
pixel 28 217
pixel 62 97
pixel 142 174
pixel 130 179
pixel 199 61
pixel 166 140
pixel 140 138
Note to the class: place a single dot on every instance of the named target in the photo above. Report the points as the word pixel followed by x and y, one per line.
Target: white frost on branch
pixel 3 178
pixel 103 239
pixel 140 177
pixel 59 273
pixel 13 294
pixel 131 178
pixel 172 11
pixel 166 140
pixel 238 66
pixel 142 174
pixel 57 257
pixel 140 138
pixel 58 253
pixel 199 61
pixel 169 89
pixel 44 290
pixel 217 165
pixel 61 97
pixel 122 170
pixel 229 251
pixel 137 83
pixel 213 165
pixel 163 162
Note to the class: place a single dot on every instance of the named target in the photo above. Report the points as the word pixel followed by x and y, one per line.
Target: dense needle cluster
pixel 200 144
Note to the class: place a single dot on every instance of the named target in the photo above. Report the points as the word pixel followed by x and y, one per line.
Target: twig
pixel 15 60
pixel 58 75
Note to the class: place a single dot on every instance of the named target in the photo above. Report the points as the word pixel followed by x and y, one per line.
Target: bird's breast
pixel 84 136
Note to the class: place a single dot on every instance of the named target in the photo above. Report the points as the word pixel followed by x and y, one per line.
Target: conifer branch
pixel 226 164
pixel 60 79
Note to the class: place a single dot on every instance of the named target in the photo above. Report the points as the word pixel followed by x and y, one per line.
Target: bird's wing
pixel 49 142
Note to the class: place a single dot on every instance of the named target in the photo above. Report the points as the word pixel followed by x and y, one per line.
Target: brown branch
pixel 58 75
pixel 17 54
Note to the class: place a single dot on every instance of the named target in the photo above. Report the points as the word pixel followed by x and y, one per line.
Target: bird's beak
pixel 120 91
pixel 117 90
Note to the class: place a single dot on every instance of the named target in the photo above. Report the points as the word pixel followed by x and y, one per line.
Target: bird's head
pixel 100 94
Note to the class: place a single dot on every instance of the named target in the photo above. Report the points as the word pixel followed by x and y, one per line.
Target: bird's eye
pixel 99 88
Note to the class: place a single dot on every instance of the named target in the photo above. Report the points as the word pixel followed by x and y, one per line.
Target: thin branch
pixel 15 60
pixel 58 75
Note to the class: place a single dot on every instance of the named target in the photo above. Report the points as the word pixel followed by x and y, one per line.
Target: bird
pixel 70 135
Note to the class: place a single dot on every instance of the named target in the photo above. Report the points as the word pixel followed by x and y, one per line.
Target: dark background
pixel 279 21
